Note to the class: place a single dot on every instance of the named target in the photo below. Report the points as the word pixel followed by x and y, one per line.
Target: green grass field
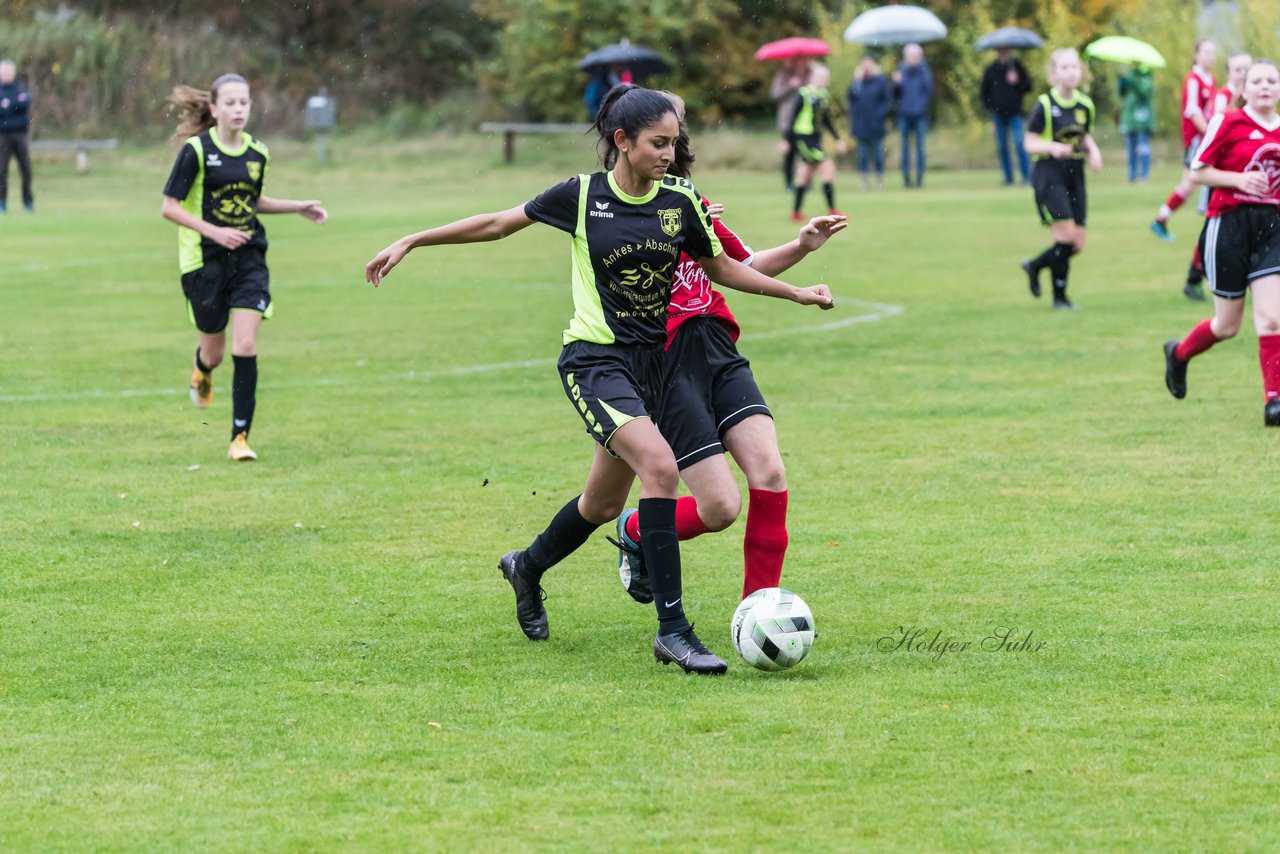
pixel 316 652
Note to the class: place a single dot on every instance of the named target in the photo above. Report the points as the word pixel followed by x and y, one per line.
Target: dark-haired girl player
pixel 214 195
pixel 629 226
pixel 711 405
pixel 1240 159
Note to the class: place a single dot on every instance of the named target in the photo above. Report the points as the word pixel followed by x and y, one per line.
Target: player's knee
pixel 1224 329
pixel 1267 323
pixel 660 477
pixel 771 478
pixel 599 510
pixel 720 511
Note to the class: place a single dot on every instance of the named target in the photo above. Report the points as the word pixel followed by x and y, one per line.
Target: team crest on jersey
pixel 670 220
pixel 1267 161
pixel 255 170
pixel 1082 115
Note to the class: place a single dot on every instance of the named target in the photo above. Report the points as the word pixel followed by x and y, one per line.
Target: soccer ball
pixel 772 629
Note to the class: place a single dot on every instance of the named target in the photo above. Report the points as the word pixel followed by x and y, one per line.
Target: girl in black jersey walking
pixel 629 226
pixel 214 195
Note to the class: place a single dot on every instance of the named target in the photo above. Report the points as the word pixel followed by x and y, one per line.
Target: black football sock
pixel 1060 262
pixel 1044 258
pixel 200 365
pixel 244 394
pixel 661 548
pixel 1194 275
pixel 800 191
pixel 788 167
pixel 567 531
pixel 829 190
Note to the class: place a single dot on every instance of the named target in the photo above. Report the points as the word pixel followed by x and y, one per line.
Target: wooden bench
pixel 511 129
pixel 81 147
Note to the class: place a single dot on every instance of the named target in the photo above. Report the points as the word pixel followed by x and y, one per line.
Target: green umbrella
pixel 1125 49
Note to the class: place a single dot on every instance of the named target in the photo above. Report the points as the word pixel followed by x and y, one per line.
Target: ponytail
pixel 193 106
pixel 631 109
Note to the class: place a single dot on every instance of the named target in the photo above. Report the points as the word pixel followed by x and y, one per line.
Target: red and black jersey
pixel 1198 89
pixel 1237 141
pixel 692 294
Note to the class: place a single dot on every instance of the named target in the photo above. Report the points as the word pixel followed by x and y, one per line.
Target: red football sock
pixel 688 522
pixel 1269 357
pixel 765 543
pixel 1197 341
pixel 1171 204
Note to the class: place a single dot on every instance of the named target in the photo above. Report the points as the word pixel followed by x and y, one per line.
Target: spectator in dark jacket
pixel 15 119
pixel 1004 84
pixel 869 102
pixel 913 87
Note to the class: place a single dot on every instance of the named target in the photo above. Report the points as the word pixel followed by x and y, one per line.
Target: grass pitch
pixel 317 652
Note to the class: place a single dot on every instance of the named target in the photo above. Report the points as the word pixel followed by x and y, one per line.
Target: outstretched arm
pixel 310 208
pixel 779 259
pixel 474 229
pixel 1249 183
pixel 723 270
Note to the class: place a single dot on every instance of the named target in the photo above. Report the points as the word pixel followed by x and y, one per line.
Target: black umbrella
pixel 640 60
pixel 1009 37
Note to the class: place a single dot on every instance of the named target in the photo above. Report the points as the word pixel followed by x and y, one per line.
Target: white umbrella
pixel 895 25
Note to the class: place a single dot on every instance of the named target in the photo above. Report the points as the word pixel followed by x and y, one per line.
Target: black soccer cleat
pixel 682 647
pixel 1193 292
pixel 530 613
pixel 1175 370
pixel 1063 304
pixel 1271 414
pixel 1033 278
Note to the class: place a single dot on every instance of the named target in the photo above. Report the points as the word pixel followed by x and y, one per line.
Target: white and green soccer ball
pixel 772 629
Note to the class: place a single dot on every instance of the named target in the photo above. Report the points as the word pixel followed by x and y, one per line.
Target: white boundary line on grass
pixel 878 311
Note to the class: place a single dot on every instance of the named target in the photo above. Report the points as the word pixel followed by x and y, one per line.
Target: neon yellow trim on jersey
pixel 245 139
pixel 190 255
pixel 633 200
pixel 588 323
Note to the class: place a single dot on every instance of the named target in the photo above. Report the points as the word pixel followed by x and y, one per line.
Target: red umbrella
pixel 793 47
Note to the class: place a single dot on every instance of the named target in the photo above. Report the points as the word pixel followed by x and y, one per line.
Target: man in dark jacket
pixel 1004 84
pixel 15 119
pixel 869 102
pixel 913 86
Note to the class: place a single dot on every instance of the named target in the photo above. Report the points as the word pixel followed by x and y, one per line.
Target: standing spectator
pixel 913 87
pixel 869 102
pixel 786 84
pixel 1004 84
pixel 1138 120
pixel 15 120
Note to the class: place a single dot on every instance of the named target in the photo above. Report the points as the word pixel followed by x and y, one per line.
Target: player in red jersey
pixel 1240 159
pixel 1198 89
pixel 1224 99
pixel 711 404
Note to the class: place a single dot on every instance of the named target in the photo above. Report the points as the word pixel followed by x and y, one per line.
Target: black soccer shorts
pixel 708 388
pixel 1241 245
pixel 610 386
pixel 1059 189
pixel 228 280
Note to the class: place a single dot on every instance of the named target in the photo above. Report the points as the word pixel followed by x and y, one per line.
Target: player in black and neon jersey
pixel 1059 137
pixel 214 195
pixel 629 226
pixel 812 115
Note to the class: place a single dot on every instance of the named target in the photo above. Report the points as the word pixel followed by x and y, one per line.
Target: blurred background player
pixel 1058 136
pixel 1227 98
pixel 783 89
pixel 1239 158
pixel 812 116
pixel 214 195
pixel 1198 88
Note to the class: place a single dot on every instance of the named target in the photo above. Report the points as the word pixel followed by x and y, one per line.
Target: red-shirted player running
pixel 1240 159
pixel 1198 88
pixel 711 404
